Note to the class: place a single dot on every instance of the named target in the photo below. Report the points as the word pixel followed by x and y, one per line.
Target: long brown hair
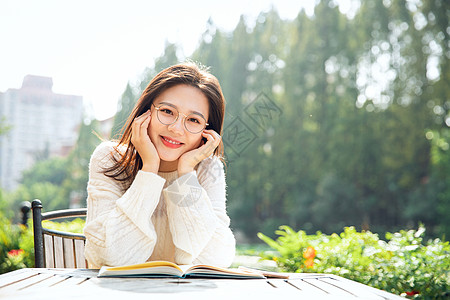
pixel 128 162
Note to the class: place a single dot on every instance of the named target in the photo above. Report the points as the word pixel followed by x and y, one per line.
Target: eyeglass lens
pixel 168 115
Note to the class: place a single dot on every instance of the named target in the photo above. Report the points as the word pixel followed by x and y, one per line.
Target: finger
pixel 214 134
pixel 136 128
pixel 209 137
pixel 145 122
pixel 142 123
pixel 142 117
pixel 137 122
pixel 212 131
pixel 211 143
pixel 216 137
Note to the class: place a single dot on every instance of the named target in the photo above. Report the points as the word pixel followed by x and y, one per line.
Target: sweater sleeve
pixel 118 226
pixel 197 216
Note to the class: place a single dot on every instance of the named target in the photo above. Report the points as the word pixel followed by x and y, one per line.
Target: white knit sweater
pixel 160 217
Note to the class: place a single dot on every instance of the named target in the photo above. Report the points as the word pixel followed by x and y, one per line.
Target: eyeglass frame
pixel 176 119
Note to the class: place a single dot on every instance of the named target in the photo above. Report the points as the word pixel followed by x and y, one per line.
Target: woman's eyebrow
pixel 174 106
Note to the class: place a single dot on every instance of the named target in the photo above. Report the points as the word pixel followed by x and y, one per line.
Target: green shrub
pixel 17 244
pixel 74 226
pixel 403 264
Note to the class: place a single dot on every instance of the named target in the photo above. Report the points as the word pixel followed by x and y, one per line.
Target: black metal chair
pixel 53 248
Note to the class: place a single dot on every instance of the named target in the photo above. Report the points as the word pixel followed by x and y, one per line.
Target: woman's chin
pixel 169 158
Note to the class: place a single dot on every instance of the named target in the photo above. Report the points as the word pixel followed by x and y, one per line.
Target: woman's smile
pixel 173 140
pixel 171 143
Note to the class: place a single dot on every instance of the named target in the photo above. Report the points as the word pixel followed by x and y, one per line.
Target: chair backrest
pixel 53 248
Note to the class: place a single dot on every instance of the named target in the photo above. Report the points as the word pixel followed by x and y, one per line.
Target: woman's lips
pixel 171 143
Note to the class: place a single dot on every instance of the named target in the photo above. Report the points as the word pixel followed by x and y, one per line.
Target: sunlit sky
pixel 92 48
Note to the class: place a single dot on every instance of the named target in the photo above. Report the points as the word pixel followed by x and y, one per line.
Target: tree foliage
pixel 59 182
pixel 336 119
pixel 358 96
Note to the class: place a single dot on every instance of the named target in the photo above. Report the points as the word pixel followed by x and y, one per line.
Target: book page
pixel 148 269
pixel 212 270
pixel 149 264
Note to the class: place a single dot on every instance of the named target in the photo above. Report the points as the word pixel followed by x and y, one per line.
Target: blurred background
pixel 337 111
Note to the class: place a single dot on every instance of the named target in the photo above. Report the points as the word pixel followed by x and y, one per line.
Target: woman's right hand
pixel 143 144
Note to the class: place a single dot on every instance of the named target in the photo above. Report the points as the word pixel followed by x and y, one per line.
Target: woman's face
pixel 171 141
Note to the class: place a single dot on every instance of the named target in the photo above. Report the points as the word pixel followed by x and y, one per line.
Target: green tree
pixel 59 182
pixel 125 106
pixel 50 194
pixel 52 170
pixel 214 51
pixel 361 132
pixel 74 186
pixel 358 97
pixel 169 57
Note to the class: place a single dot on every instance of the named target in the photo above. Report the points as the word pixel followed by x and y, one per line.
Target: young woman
pixel 159 192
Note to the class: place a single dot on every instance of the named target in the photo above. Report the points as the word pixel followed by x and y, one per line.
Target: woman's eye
pixel 194 120
pixel 166 111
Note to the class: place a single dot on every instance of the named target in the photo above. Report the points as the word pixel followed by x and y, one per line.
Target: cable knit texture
pixel 160 217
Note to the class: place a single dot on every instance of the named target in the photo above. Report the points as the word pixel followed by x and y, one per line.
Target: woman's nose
pixel 178 126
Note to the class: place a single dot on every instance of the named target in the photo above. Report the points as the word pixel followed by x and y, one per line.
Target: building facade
pixel 41 124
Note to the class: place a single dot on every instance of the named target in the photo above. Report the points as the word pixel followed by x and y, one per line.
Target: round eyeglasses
pixel 167 115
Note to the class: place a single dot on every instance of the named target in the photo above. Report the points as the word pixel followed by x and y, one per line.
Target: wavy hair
pixel 128 162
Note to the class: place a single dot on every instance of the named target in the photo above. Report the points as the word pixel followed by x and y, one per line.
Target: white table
pixel 84 284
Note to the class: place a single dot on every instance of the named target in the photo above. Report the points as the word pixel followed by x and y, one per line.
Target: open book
pixel 169 269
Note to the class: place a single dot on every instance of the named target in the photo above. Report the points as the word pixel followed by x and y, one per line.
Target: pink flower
pixel 15 252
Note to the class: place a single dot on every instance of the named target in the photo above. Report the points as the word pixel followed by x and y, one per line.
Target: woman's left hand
pixel 190 159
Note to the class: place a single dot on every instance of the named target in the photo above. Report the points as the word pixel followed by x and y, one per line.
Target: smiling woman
pixel 167 129
pixel 151 195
